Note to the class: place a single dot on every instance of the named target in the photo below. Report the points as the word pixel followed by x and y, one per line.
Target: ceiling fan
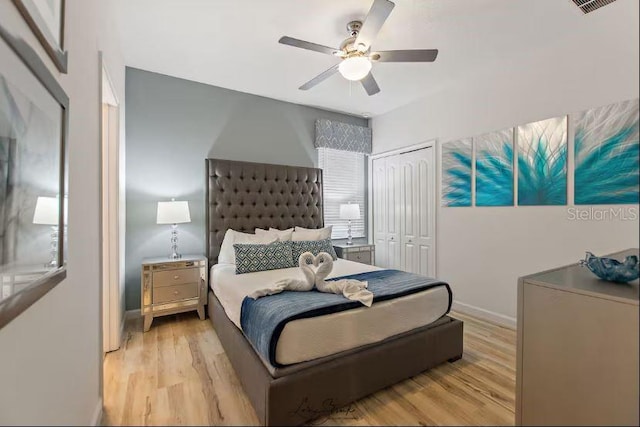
pixel 355 51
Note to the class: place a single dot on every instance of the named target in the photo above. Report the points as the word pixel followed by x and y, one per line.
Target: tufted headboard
pixel 245 196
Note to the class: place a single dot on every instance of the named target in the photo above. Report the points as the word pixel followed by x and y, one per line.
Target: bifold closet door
pixel 393 212
pixel 408 242
pixel 418 201
pixel 379 211
pixel 403 211
pixel 386 212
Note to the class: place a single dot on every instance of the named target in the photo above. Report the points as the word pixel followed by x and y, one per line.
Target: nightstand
pixel 360 251
pixel 173 286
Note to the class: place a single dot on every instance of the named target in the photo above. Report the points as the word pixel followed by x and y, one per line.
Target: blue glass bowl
pixel 611 269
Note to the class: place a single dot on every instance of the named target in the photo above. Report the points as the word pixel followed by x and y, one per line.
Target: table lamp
pixel 349 212
pixel 174 213
pixel 46 213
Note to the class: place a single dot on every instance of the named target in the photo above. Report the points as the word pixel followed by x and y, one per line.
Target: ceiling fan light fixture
pixel 355 68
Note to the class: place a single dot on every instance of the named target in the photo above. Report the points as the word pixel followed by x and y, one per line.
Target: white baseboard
pixel 132 314
pixel 481 313
pixel 97 415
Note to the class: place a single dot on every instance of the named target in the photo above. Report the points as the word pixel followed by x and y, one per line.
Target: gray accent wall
pixel 172 125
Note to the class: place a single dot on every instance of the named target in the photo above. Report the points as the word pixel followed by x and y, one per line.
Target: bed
pixel 315 368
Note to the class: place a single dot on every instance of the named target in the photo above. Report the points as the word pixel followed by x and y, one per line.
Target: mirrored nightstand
pixel 361 251
pixel 173 286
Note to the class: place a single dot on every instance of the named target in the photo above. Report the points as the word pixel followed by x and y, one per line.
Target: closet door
pixel 424 216
pixel 393 212
pixel 404 211
pixel 418 201
pixel 408 189
pixel 379 211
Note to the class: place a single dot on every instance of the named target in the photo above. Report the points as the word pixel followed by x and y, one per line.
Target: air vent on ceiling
pixel 587 6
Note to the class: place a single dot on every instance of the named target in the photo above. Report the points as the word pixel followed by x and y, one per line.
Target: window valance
pixel 342 136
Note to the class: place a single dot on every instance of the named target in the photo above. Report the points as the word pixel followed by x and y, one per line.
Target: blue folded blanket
pixel 264 319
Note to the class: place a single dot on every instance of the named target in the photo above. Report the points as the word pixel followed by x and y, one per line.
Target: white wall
pixel 50 356
pixel 482 251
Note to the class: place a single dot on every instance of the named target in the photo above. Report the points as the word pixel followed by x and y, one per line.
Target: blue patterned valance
pixel 342 136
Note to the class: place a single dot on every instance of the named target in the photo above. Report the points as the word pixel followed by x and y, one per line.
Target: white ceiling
pixel 234 43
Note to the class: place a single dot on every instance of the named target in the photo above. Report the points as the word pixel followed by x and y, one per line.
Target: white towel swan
pixel 305 262
pixel 354 290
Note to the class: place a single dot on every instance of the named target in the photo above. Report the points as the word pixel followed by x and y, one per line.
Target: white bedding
pixel 308 339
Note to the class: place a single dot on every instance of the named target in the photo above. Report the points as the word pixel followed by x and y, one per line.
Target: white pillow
pixel 228 255
pixel 283 235
pixel 301 233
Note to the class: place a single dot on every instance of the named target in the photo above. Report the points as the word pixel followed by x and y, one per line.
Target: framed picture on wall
pixel 33 184
pixel 46 20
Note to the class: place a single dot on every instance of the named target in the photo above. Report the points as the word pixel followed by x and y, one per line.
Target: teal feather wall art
pixel 542 163
pixel 456 173
pixel 606 154
pixel 494 168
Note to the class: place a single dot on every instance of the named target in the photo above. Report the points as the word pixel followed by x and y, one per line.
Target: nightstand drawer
pixel 175 293
pixel 364 257
pixel 175 277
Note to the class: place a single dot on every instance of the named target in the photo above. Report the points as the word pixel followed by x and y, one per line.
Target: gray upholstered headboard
pixel 245 196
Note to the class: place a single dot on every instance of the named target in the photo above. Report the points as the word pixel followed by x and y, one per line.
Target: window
pixel 344 181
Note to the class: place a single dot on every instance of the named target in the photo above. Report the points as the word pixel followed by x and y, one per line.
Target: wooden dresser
pixel 173 286
pixel 577 354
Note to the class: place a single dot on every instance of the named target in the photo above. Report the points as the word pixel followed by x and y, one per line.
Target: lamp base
pixel 174 242
pixel 53 263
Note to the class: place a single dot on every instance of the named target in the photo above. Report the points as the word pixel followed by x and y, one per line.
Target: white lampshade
pixel 350 211
pixel 173 212
pixel 46 211
pixel 355 68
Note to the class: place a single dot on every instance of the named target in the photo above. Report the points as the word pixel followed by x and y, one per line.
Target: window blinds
pixel 343 175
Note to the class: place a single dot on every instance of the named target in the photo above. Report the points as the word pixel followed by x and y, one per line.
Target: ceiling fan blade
pixel 416 55
pixel 290 41
pixel 370 84
pixel 320 78
pixel 378 14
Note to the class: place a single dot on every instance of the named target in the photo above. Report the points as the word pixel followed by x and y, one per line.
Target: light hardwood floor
pixel 178 374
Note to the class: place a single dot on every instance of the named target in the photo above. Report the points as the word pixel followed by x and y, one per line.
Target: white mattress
pixel 308 339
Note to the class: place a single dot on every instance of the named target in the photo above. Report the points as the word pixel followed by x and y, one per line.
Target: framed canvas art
pixel 33 134
pixel 46 20
pixel 606 154
pixel 456 173
pixel 542 163
pixel 494 168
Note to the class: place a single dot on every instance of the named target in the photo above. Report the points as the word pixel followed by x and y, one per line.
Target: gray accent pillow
pixel 313 246
pixel 251 257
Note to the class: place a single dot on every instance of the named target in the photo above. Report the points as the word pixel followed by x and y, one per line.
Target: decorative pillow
pixel 301 233
pixel 282 235
pixel 227 254
pixel 250 258
pixel 313 246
